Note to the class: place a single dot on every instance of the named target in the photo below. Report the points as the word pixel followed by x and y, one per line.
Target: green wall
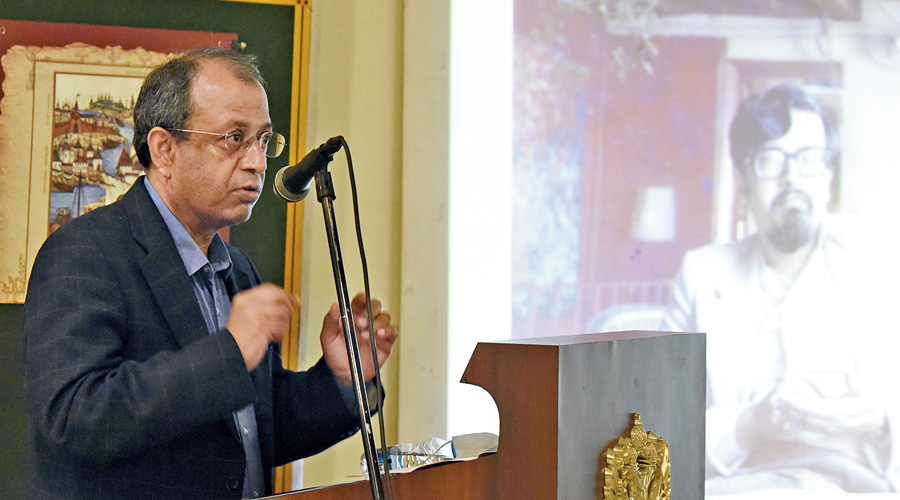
pixel 268 32
pixel 14 439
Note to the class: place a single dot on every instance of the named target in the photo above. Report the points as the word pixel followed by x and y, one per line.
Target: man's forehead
pixel 806 129
pixel 243 123
pixel 807 119
pixel 217 93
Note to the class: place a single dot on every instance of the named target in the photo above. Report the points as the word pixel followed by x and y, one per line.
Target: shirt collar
pixel 772 281
pixel 191 255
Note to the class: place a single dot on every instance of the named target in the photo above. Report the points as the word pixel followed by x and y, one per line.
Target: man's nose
pixel 791 174
pixel 254 158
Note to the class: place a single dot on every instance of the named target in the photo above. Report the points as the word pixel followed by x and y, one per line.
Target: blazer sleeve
pixel 311 414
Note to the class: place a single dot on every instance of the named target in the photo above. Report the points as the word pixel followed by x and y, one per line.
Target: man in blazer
pixel 152 366
pixel 796 395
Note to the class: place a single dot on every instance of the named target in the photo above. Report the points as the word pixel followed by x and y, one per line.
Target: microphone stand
pixel 325 194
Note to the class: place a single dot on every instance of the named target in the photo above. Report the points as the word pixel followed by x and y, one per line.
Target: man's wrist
pixel 372 396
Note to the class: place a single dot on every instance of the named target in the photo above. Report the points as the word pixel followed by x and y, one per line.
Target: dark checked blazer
pixel 129 396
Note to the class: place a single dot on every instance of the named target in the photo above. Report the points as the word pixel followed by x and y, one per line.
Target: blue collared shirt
pixel 208 279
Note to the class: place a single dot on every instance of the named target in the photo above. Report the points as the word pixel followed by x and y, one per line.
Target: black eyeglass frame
pixel 810 162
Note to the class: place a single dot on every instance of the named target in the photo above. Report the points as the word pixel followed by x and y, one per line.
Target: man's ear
pixel 163 149
pixel 742 181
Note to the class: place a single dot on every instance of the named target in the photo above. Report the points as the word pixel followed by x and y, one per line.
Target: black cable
pixel 365 269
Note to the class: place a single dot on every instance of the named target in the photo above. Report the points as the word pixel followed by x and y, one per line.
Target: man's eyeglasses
pixel 271 143
pixel 771 163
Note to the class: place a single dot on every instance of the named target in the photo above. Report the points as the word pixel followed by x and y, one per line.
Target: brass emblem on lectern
pixel 637 467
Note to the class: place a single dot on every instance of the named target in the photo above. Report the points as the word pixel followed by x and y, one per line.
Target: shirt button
pixel 246 430
pixel 233 483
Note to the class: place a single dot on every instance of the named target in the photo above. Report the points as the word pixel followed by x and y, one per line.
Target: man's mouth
pixel 250 193
pixel 792 199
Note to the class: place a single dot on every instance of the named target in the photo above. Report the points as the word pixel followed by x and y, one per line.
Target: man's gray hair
pixel 165 97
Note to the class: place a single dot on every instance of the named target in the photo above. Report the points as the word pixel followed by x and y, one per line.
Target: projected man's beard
pixel 792 218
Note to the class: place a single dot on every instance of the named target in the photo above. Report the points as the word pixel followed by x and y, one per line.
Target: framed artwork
pixel 66 125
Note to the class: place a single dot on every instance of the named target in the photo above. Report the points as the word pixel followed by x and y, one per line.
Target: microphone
pixel 292 182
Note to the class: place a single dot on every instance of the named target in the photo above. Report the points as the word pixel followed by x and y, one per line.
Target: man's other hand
pixel 334 349
pixel 260 316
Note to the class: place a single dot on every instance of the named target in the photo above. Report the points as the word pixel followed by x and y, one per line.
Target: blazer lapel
pixel 241 277
pixel 164 271
pixel 237 280
pixel 169 283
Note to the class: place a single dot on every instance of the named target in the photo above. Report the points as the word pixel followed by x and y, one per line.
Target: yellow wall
pixel 379 76
pixel 355 89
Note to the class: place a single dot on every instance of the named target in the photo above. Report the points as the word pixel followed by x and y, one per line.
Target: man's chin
pixel 239 216
pixel 794 232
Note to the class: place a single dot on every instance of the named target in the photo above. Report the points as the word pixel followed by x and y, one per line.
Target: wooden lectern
pixel 563 401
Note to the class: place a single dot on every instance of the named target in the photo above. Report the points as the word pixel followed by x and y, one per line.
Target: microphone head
pixel 293 182
pixel 285 193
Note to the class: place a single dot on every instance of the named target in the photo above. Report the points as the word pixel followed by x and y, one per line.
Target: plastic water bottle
pixel 405 455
